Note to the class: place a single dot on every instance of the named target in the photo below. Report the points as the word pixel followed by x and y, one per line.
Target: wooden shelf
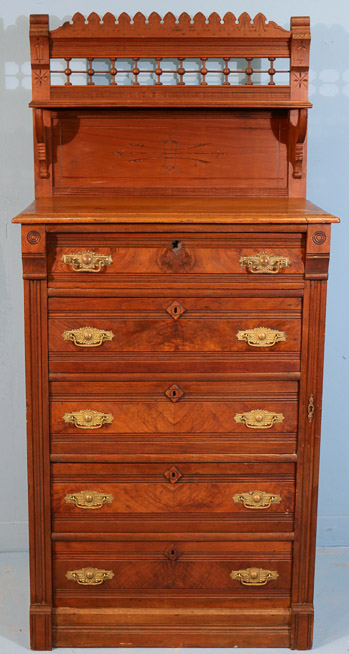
pixel 173 210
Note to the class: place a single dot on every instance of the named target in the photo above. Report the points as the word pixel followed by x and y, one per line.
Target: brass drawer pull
pixel 259 419
pixel 89 576
pixel 256 499
pixel 88 499
pixel 87 261
pixel 263 262
pixel 87 336
pixel 254 576
pixel 261 336
pixel 88 419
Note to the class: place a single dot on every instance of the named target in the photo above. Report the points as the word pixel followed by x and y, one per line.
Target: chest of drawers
pixel 174 346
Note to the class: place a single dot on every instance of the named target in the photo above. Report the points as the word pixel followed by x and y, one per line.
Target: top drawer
pixel 204 259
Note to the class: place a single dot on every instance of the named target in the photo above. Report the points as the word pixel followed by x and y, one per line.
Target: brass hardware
pixel 88 499
pixel 311 408
pixel 261 336
pixel 87 261
pixel 87 336
pixel 254 576
pixel 88 419
pixel 259 419
pixel 256 499
pixel 89 576
pixel 263 262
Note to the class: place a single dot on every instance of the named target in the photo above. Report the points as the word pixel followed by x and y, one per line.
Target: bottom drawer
pixel 182 573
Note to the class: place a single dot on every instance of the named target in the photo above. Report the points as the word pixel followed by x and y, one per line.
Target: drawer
pixel 88 574
pixel 124 258
pixel 133 497
pixel 89 327
pixel 188 417
pixel 167 407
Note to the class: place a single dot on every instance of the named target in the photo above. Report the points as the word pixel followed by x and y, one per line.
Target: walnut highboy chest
pixel 175 289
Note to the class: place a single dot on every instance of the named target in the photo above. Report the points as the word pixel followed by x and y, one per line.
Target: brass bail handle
pixel 87 336
pixel 263 262
pixel 87 261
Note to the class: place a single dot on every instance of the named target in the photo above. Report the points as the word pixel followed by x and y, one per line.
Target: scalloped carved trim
pixel 155 26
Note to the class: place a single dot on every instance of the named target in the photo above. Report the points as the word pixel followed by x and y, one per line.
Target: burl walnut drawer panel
pixel 101 573
pixel 142 325
pixel 85 258
pixel 129 497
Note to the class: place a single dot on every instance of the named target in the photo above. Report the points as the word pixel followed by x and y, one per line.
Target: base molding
pixel 302 623
pixel 40 627
pixel 171 628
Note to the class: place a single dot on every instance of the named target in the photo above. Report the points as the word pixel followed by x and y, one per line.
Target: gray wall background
pixel 328 158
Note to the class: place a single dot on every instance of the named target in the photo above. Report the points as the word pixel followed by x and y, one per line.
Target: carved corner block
pixel 317 251
pixel 34 252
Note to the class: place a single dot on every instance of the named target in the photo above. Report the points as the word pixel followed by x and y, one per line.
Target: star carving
pixel 301 79
pixel 40 76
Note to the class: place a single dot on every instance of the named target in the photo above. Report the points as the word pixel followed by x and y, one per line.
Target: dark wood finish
pixel 175 177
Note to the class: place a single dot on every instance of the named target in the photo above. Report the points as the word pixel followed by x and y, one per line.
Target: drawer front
pixel 141 418
pixel 193 569
pixel 174 497
pixel 126 407
pixel 141 325
pixel 127 258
